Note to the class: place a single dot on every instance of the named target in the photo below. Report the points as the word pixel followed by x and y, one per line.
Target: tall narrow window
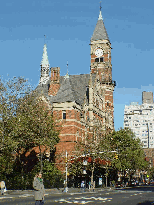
pixel 99 59
pixel 87 93
pixel 64 115
pixel 96 59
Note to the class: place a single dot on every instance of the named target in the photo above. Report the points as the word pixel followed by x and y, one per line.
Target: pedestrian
pixel 89 185
pixel 2 187
pixel 82 186
pixel 39 189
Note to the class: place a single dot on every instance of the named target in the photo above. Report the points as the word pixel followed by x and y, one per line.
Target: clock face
pixel 99 52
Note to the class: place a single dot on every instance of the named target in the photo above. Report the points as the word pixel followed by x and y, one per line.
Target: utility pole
pixel 66 188
pixel 92 177
pixel 106 175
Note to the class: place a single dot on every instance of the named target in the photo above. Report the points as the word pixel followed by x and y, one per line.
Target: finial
pixel 100 5
pixel 67 66
pixel 100 12
pixel 67 75
pixel 44 39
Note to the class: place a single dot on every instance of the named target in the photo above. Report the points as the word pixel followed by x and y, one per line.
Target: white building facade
pixel 140 119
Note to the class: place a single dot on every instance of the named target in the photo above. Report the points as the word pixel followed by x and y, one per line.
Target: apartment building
pixel 140 119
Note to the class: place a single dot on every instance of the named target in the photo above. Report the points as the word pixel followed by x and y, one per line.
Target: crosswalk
pixel 11 197
pixel 83 200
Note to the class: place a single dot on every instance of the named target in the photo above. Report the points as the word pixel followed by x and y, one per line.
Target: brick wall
pixel 55 81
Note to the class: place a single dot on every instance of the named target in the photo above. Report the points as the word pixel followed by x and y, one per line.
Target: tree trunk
pixel 41 168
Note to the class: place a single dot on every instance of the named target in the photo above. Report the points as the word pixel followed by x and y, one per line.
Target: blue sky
pixel 68 26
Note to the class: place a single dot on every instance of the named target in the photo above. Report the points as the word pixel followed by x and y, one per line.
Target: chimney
pixel 55 81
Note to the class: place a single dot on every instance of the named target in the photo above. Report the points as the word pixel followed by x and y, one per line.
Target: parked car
pixel 120 184
pixel 141 183
pixel 152 182
pixel 134 183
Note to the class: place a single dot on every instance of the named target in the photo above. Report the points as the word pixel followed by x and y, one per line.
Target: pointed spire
pixel 100 30
pixel 44 66
pixel 45 61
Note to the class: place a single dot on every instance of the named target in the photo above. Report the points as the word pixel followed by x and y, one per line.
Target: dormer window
pixel 99 60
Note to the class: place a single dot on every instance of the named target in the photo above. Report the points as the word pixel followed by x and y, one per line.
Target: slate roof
pixel 65 93
pixel 72 89
pixel 42 89
pixel 100 32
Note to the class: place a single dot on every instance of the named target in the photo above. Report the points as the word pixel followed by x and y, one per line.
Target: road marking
pixel 7 197
pixel 83 200
pixel 26 195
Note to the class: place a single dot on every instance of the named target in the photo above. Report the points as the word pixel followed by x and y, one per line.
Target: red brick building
pixel 80 102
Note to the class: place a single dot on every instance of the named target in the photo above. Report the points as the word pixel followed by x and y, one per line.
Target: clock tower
pixel 102 67
pixel 101 51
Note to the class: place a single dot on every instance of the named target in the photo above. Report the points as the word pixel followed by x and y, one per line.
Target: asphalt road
pixel 129 196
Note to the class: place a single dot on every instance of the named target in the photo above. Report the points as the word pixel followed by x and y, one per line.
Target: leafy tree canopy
pixel 25 122
pixel 128 149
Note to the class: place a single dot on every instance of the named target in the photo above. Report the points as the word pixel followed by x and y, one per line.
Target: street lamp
pixel 66 188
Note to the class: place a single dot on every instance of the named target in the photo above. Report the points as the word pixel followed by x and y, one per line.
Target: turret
pixel 44 66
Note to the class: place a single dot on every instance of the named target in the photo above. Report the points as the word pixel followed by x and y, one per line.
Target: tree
pixel 129 152
pixel 34 126
pixel 96 150
pixel 27 130
pixel 11 91
pixel 117 151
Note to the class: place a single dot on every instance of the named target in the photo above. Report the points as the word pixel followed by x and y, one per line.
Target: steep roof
pixel 65 93
pixel 72 89
pixel 100 32
pixel 42 89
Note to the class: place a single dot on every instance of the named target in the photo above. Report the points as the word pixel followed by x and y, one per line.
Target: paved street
pixel 129 196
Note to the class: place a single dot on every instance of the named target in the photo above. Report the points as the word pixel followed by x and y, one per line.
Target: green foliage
pixel 52 176
pixel 151 172
pixel 34 124
pixel 22 180
pixel 25 122
pixel 76 168
pixel 119 151
pixel 129 149
pixel 11 91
